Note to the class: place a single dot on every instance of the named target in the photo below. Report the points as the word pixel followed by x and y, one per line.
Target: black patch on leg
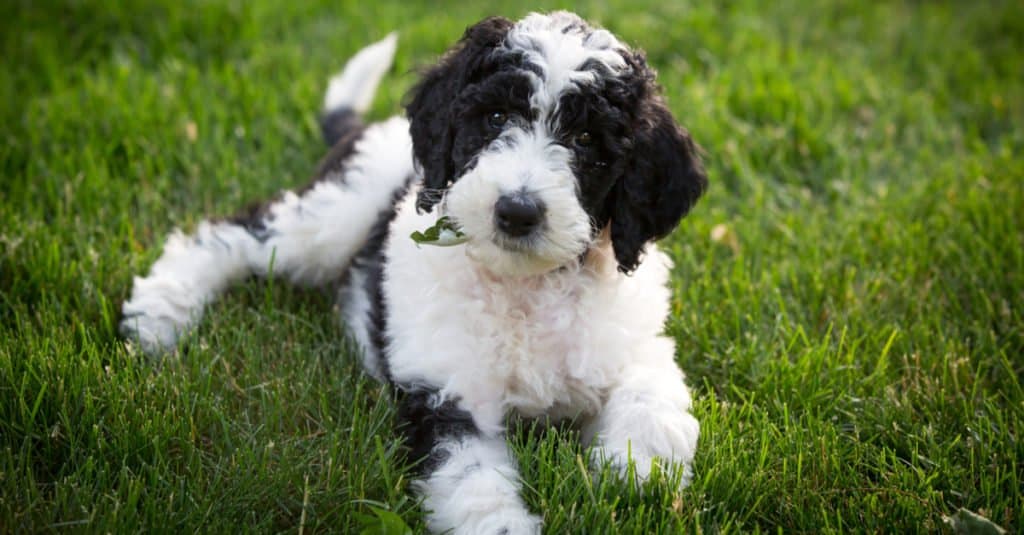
pixel 425 423
pixel 254 217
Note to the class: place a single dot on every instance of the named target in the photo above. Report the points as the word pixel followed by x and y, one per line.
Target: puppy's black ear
pixel 430 104
pixel 663 179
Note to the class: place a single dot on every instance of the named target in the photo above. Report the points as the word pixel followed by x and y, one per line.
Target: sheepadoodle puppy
pixel 555 163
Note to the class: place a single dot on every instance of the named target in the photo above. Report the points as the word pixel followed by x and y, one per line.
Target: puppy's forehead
pixel 564 50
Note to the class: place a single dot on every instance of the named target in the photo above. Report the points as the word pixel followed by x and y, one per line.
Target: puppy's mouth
pixel 519 245
pixel 537 249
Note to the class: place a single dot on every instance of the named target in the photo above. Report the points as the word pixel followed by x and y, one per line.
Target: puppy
pixel 545 142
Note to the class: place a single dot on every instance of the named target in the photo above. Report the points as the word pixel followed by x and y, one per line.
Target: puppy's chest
pixel 539 341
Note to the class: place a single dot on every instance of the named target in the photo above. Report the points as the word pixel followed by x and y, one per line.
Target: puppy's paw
pixel 638 468
pixel 641 439
pixel 476 516
pixel 487 505
pixel 153 336
pixel 509 521
pixel 157 314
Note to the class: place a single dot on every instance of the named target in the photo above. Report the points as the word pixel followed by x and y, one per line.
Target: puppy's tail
pixel 350 92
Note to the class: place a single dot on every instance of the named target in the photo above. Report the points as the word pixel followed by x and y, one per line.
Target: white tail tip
pixel 355 85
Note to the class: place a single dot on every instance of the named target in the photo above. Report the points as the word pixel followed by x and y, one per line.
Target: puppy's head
pixel 536 135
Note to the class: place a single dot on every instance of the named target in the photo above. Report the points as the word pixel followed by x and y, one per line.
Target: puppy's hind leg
pixel 191 271
pixel 308 237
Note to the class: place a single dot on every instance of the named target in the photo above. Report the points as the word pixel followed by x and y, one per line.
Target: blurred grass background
pixel 848 296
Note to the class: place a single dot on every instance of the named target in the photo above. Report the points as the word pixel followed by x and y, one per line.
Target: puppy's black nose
pixel 517 214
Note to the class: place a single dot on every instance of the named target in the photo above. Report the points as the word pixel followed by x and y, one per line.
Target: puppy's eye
pixel 497 120
pixel 585 140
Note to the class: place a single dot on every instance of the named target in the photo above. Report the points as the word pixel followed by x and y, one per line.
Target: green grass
pixel 854 335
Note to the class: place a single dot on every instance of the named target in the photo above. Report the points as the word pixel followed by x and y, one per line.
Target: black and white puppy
pixel 546 142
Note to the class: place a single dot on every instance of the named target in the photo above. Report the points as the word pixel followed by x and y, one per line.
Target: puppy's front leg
pixel 647 420
pixel 469 482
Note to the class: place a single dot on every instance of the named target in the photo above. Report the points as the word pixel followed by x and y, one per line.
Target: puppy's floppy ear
pixel 662 180
pixel 430 104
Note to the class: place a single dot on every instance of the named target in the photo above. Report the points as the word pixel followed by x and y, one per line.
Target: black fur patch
pixel 642 172
pixel 431 107
pixel 254 217
pixel 598 166
pixel 338 123
pixel 425 423
pixel 664 176
pixel 505 92
pixel 338 156
pixel 370 259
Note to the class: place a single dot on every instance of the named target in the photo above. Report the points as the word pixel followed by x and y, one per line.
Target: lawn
pixel 849 296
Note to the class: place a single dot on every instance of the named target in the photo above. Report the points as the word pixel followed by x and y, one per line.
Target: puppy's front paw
pixel 513 521
pixel 635 438
pixel 481 503
pixel 637 468
pixel 477 516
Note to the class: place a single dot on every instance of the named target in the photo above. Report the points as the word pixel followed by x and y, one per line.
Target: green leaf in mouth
pixel 444 233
